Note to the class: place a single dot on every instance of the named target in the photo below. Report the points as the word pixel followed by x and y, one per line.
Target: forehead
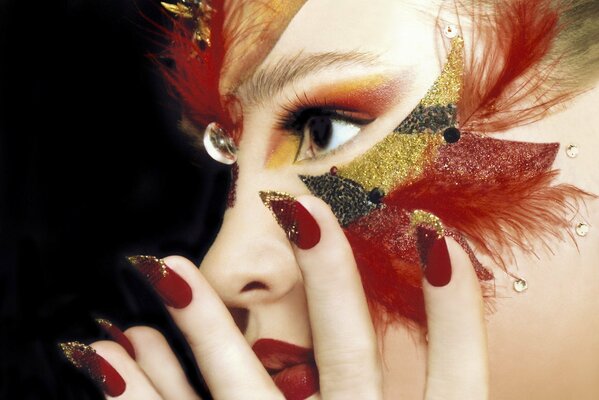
pixel 398 31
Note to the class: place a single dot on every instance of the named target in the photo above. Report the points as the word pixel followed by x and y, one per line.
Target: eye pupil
pixel 320 130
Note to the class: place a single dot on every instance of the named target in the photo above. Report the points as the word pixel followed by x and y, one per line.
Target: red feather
pixel 506 85
pixel 195 76
pixel 497 194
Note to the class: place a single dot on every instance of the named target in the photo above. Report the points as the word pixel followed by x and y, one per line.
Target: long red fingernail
pixel 170 286
pixel 433 256
pixel 97 368
pixel 299 225
pixel 116 334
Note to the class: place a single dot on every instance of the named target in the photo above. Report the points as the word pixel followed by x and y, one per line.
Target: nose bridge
pixel 251 260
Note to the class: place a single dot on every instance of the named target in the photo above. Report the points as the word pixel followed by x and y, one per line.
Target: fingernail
pixel 299 225
pixel 434 256
pixel 116 334
pixel 97 368
pixel 174 291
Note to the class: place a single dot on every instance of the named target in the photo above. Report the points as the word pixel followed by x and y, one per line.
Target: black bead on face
pixel 376 195
pixel 451 135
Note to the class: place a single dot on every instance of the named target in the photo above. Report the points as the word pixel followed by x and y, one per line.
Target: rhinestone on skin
pixel 520 285
pixel 582 229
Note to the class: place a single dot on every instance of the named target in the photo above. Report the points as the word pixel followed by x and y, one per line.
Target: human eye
pixel 322 130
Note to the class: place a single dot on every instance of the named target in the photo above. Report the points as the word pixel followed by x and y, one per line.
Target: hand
pixel 344 340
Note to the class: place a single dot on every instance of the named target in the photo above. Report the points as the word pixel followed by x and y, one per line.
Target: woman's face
pixel 359 66
pixel 369 65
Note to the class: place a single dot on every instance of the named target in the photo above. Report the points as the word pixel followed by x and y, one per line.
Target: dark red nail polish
pixel 433 256
pixel 173 289
pixel 98 369
pixel 299 225
pixel 117 335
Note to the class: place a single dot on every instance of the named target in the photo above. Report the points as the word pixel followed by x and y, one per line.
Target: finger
pixel 457 343
pixel 344 339
pixel 111 368
pixel 159 363
pixel 228 364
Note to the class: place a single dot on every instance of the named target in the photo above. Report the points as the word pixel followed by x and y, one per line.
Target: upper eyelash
pixel 291 112
pixel 294 115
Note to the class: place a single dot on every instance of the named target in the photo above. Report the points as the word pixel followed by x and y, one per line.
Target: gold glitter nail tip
pixel 76 352
pixel 268 196
pixel 425 218
pixel 152 267
pixel 86 359
pixel 138 260
pixel 283 207
pixel 103 322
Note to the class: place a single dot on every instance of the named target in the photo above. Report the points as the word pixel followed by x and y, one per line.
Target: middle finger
pixel 345 344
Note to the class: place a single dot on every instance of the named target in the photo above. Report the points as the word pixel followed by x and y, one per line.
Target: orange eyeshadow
pixel 371 94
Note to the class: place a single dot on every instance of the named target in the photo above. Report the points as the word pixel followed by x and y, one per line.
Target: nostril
pixel 253 286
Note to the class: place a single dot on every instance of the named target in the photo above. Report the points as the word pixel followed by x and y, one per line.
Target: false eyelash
pixel 294 115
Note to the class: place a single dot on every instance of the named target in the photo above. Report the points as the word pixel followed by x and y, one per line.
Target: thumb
pixel 457 361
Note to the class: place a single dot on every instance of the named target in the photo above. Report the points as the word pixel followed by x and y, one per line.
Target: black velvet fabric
pixel 92 168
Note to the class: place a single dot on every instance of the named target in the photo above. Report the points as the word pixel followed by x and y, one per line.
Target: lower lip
pixel 297 382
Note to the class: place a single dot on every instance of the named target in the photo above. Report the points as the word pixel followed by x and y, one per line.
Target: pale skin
pixel 541 344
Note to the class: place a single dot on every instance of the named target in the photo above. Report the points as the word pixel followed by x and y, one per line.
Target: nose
pixel 251 261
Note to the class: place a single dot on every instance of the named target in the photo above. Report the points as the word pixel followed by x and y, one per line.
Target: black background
pixel 92 168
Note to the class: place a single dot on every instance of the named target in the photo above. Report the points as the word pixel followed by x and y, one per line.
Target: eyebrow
pixel 270 80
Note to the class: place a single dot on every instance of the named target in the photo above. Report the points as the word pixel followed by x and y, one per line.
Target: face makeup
pixel 371 94
pixel 427 174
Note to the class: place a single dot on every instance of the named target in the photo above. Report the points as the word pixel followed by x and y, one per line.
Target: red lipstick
pixel 292 367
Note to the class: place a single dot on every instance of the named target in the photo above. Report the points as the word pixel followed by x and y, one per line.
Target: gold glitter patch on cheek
pixel 284 152
pixel 446 89
pixel 396 159
pixel 421 217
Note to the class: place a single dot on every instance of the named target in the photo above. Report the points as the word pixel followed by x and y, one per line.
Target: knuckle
pixel 178 262
pixel 111 351
pixel 145 336
pixel 350 363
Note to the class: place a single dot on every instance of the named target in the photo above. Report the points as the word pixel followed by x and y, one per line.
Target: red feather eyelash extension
pixel 507 84
pixel 503 88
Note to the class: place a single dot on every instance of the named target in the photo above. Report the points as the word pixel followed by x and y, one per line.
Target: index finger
pixel 345 342
pixel 457 361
